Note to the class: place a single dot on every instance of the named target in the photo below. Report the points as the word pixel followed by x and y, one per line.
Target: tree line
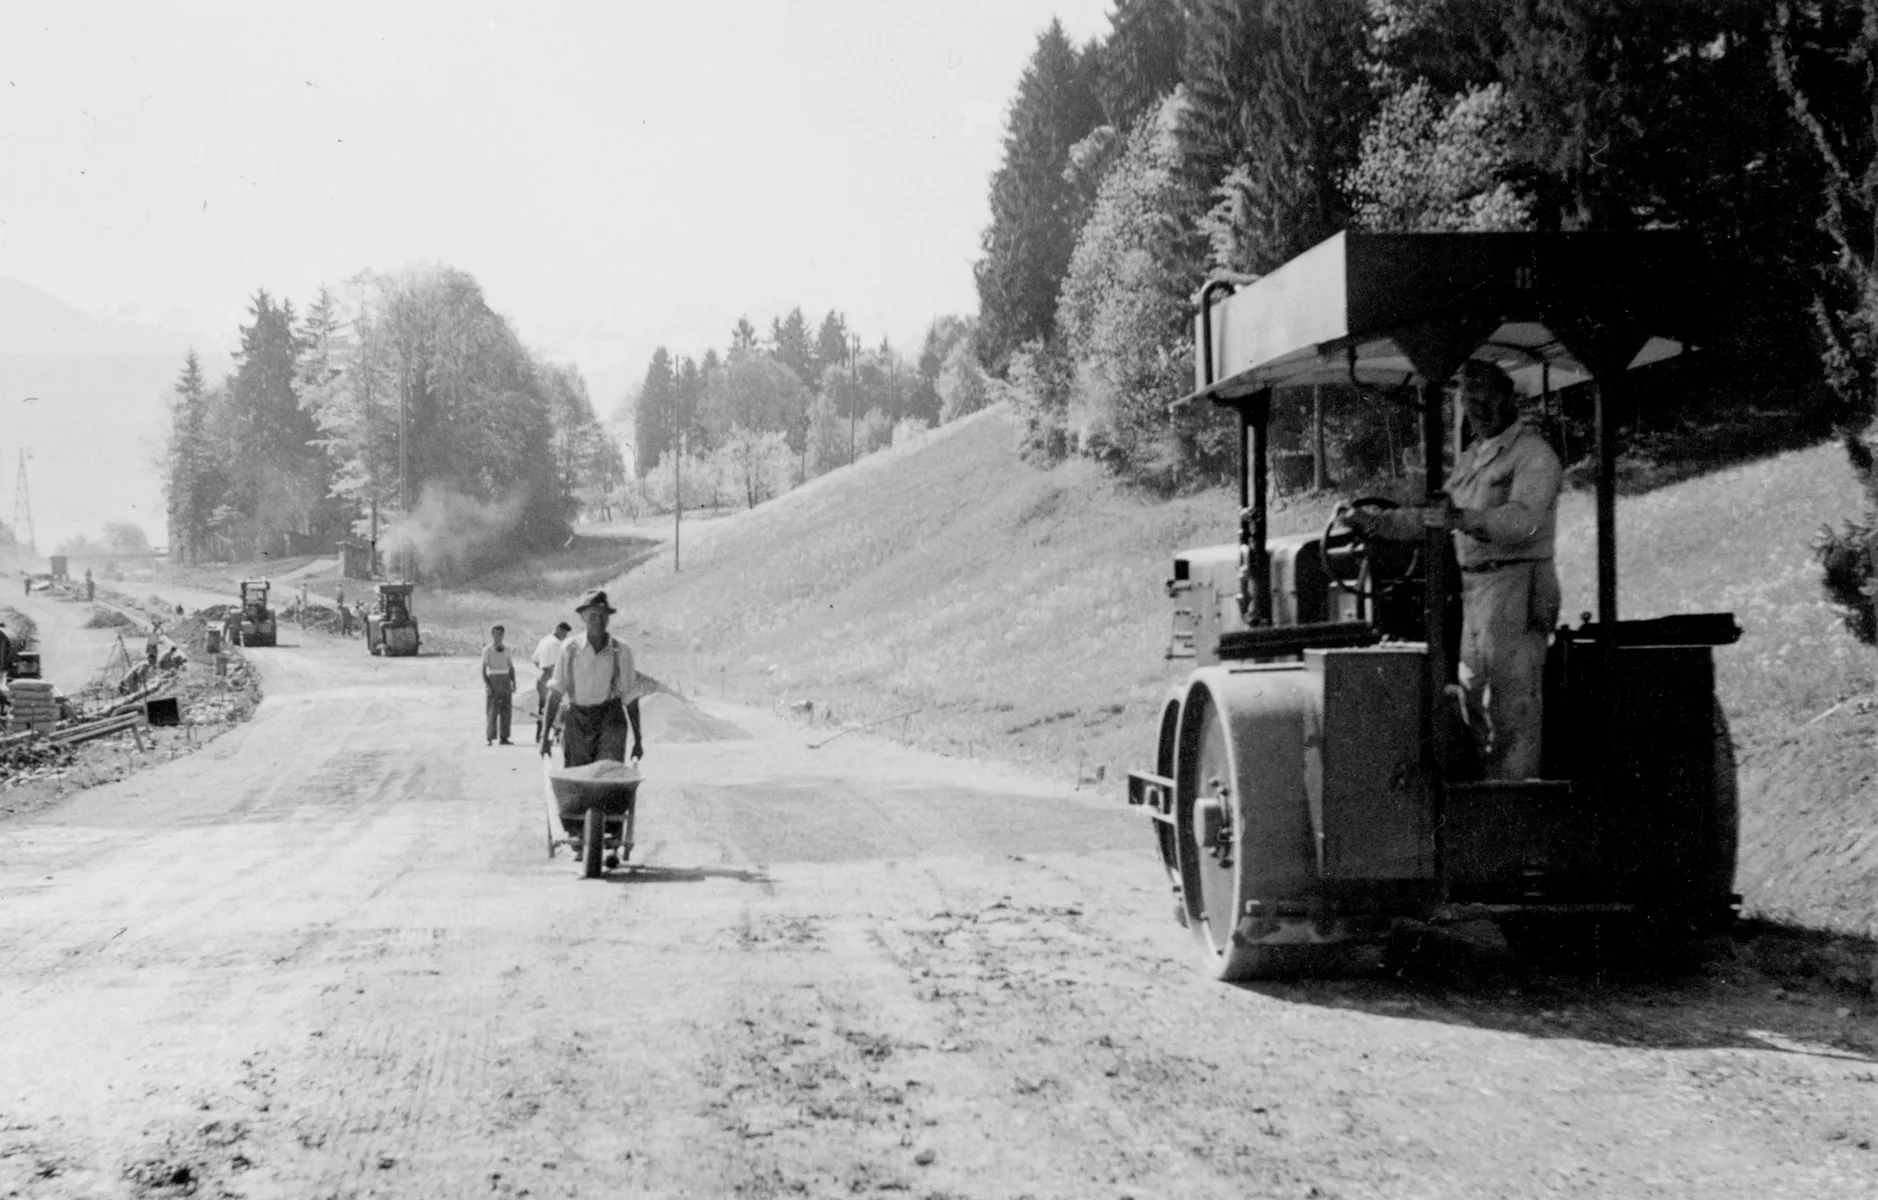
pixel 400 411
pixel 1198 138
pixel 771 412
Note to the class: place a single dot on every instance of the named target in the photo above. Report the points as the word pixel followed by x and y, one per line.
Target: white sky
pixel 616 174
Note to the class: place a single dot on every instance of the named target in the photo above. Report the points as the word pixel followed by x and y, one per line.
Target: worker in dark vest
pixel 1502 509
pixel 596 679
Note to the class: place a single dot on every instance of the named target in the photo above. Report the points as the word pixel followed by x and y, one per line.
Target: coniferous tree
pixel 1278 103
pixel 831 342
pixel 742 336
pixel 1035 211
pixel 789 345
pixel 653 428
pixel 192 479
pixel 1139 62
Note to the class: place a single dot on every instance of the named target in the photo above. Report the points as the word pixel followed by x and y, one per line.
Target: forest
pixel 399 412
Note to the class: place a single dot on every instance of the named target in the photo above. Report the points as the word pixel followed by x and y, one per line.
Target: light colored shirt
pixel 498 662
pixel 1506 487
pixel 547 652
pixel 587 677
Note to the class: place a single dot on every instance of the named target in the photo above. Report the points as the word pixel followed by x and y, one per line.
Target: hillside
pixel 1021 613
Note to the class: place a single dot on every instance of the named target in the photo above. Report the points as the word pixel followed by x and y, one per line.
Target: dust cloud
pixel 451 535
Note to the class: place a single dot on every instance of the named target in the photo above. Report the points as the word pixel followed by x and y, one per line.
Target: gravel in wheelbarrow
pixel 611 785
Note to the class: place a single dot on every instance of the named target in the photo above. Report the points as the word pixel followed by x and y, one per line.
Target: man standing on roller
pixel 1502 509
pixel 595 677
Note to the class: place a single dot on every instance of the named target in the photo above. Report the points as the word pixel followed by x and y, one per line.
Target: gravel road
pixel 329 956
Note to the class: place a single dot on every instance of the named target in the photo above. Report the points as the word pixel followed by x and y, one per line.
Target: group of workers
pixel 584 680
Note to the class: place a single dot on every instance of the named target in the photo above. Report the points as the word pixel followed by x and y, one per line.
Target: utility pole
pixel 23 510
pixel 19 489
pixel 1320 475
pixel 678 481
pixel 407 569
pixel 854 387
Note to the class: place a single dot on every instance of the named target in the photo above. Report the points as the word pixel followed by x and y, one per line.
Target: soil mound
pixel 669 719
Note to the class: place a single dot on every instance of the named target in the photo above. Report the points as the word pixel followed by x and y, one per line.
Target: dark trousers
pixel 500 702
pixel 593 732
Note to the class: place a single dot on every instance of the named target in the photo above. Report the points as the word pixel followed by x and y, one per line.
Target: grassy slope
pixel 1022 611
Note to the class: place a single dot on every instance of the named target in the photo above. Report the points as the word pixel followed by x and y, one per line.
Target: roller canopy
pixel 1395 308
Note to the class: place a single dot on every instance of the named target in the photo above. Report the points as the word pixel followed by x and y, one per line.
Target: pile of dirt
pixel 108 618
pixel 670 719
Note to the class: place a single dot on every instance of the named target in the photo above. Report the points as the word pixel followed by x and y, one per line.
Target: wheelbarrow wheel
pixel 593 842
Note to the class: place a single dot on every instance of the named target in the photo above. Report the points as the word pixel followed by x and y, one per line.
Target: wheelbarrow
pixel 591 810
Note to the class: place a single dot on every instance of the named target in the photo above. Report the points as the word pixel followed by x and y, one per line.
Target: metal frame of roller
pixel 1313 786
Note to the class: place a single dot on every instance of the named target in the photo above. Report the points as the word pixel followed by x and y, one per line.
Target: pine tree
pixel 190 476
pixel 831 342
pixel 743 336
pixel 653 427
pixel 789 345
pixel 1139 62
pixel 1279 99
pixel 1035 211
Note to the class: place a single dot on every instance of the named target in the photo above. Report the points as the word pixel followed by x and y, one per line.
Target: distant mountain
pixel 36 322
pixel 94 427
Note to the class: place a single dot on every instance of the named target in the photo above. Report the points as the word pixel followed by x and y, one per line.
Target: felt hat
pixel 594 599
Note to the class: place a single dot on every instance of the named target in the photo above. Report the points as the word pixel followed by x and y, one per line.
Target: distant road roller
pixel 1313 783
pixel 391 626
pixel 253 623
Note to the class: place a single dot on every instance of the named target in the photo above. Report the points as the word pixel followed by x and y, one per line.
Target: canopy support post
pixel 1255 576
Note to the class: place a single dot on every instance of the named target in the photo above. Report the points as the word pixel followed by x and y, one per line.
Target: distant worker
pixel 1502 509
pixel 547 700
pixel 90 588
pixel 345 618
pixel 302 606
pixel 498 687
pixel 595 676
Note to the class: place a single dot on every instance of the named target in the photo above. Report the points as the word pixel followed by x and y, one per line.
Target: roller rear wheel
pixel 592 842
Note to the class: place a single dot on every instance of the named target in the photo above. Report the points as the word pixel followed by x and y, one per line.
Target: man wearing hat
pixel 1502 510
pixel 595 677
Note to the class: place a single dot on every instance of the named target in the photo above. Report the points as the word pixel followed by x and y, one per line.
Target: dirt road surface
pixel 329 956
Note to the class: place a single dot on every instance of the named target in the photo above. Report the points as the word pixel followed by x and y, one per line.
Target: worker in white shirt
pixel 596 677
pixel 498 687
pixel 547 700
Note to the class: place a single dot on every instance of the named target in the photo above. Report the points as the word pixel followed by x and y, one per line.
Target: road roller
pixel 391 626
pixel 1314 786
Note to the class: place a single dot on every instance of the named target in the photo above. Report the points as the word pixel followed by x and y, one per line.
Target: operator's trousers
pixel 1507 615
pixel 594 732
pixel 500 705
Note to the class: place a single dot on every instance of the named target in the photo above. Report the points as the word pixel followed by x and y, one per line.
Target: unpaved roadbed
pixel 329 956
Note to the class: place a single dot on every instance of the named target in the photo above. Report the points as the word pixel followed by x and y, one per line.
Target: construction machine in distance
pixel 390 626
pixel 253 623
pixel 1314 788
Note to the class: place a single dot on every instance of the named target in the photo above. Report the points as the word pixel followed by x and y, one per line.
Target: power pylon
pixel 23 510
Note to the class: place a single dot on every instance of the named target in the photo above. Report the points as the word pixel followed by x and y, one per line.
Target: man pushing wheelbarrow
pixel 595 790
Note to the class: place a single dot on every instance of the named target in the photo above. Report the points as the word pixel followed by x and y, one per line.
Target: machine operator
pixel 596 679
pixel 1502 509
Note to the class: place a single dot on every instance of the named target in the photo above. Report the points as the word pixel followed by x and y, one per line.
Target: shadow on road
pixel 1769 987
pixel 654 874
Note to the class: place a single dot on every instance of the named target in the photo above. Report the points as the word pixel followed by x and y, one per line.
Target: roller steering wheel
pixel 1376 575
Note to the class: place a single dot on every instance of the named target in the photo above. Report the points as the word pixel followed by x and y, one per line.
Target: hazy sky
pixel 616 174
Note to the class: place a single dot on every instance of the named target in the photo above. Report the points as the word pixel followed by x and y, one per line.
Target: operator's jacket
pixel 1506 488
